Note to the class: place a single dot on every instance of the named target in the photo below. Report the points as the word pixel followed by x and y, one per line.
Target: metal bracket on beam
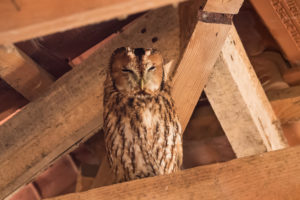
pixel 216 18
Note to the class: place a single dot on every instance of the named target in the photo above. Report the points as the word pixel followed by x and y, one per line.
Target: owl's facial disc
pixel 136 71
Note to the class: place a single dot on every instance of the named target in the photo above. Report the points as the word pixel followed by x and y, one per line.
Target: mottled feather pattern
pixel 142 131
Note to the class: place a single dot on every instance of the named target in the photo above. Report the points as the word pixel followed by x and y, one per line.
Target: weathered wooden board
pixel 240 103
pixel 286 104
pixel 25 19
pixel 22 73
pixel 196 65
pixel 273 175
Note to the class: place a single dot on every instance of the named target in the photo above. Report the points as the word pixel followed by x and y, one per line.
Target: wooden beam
pixel 273 175
pixel 25 19
pixel 196 65
pixel 203 47
pixel 286 104
pixel 240 103
pixel 22 73
pixel 71 110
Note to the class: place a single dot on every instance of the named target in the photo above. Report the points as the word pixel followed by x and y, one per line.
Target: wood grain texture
pixel 286 104
pixel 22 73
pixel 71 110
pixel 272 175
pixel 196 65
pixel 25 19
pixel 221 6
pixel 240 103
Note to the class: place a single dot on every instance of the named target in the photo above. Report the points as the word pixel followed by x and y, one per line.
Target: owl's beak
pixel 142 84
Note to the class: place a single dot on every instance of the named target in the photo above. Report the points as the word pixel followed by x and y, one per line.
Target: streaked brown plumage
pixel 141 128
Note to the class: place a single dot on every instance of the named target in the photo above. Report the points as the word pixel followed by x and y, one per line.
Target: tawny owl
pixel 141 129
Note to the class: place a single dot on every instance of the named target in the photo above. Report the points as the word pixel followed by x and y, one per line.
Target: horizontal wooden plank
pixel 286 104
pixel 25 19
pixel 273 175
pixel 240 102
pixel 22 73
pixel 71 110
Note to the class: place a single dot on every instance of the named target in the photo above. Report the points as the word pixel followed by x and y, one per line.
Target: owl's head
pixel 137 71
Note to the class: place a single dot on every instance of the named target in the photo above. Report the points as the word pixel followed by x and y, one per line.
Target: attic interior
pixel 217 131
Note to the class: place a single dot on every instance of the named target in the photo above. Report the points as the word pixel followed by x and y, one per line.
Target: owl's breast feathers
pixel 142 135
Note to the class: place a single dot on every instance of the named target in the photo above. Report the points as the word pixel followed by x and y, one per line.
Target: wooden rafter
pixel 25 19
pixel 22 73
pixel 273 175
pixel 197 64
pixel 240 102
